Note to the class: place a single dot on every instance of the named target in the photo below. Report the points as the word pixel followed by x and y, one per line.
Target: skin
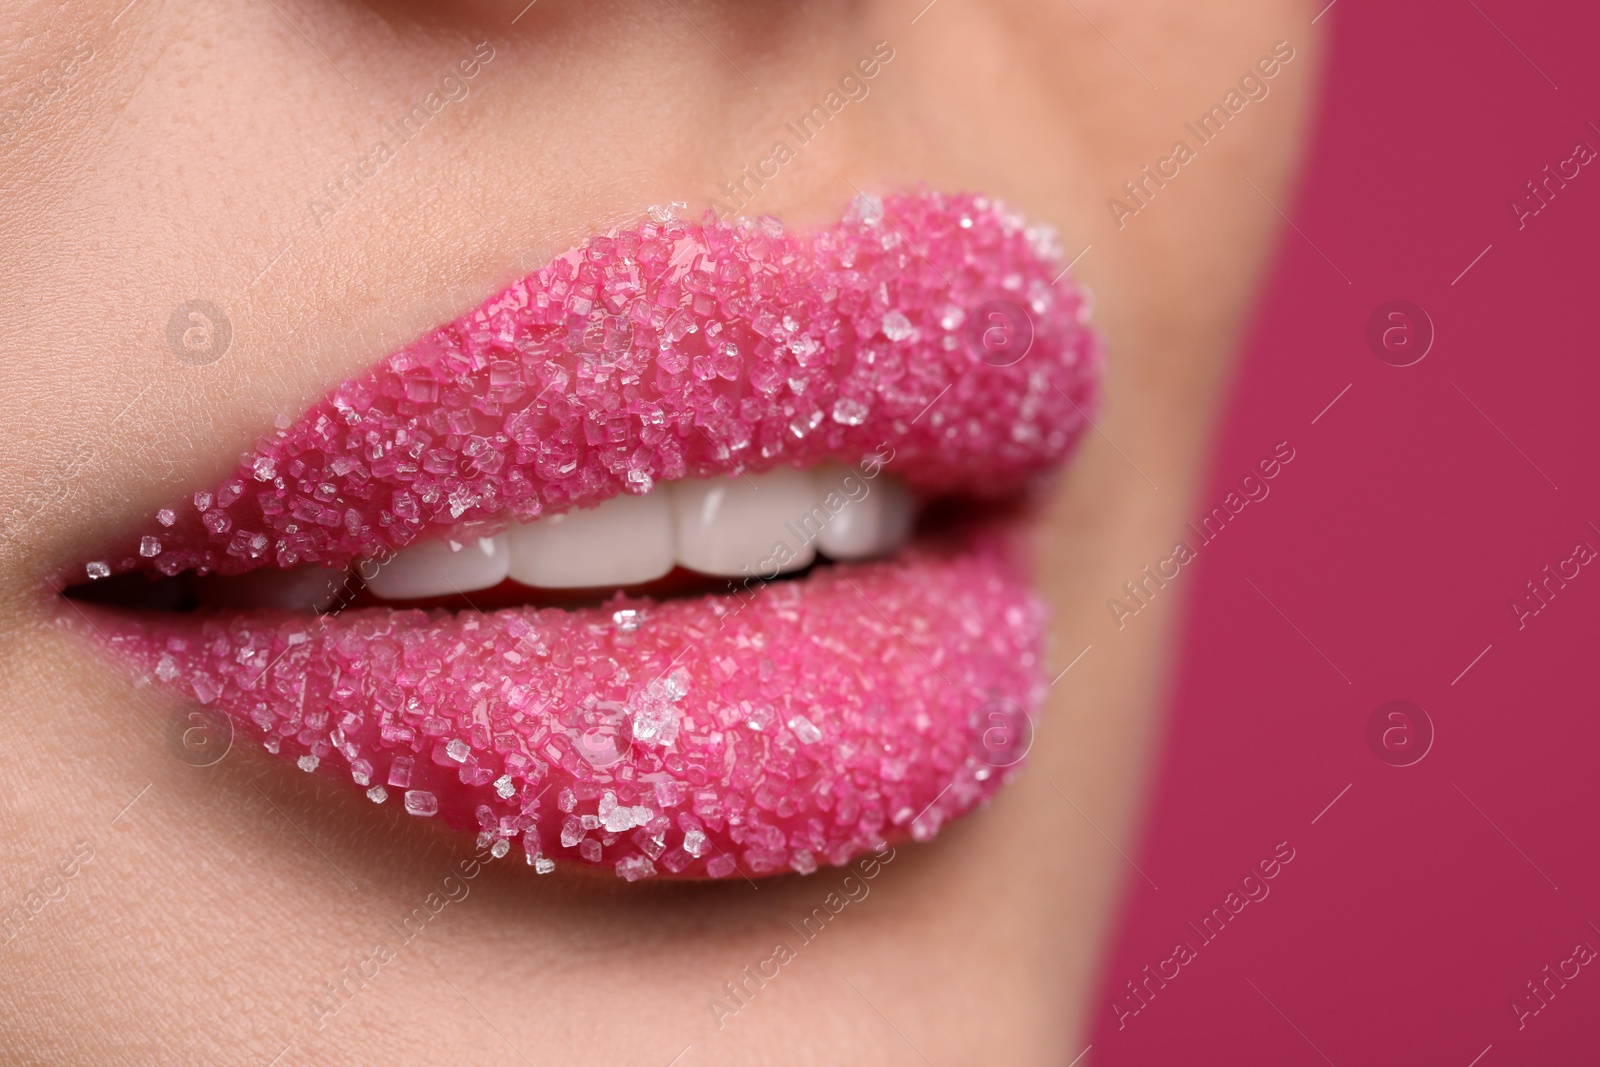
pixel 177 162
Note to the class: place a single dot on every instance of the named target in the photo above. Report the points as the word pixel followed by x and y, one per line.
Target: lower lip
pixel 778 727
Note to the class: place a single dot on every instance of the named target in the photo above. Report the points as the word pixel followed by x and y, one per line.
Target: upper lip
pixel 925 330
pixel 974 369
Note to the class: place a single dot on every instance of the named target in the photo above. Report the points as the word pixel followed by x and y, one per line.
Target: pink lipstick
pixel 756 400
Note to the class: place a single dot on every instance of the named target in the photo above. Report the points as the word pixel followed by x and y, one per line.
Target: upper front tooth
pixel 761 525
pixel 870 517
pixel 439 568
pixel 767 523
pixel 627 539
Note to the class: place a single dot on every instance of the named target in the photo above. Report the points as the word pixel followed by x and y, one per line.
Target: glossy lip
pixel 772 728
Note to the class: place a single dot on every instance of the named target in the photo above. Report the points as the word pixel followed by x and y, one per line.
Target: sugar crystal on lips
pixel 668 351
pixel 798 724
pixel 839 727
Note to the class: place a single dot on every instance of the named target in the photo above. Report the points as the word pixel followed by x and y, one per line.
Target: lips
pixel 925 347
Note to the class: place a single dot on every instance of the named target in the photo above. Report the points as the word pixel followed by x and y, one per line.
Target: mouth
pixel 694 554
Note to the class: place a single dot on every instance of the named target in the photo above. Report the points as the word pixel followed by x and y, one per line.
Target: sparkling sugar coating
pixel 934 323
pixel 799 724
pixel 775 728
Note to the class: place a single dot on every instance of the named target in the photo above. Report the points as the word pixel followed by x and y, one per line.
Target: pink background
pixel 1420 903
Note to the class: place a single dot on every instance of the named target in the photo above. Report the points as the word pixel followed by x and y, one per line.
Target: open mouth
pixel 688 555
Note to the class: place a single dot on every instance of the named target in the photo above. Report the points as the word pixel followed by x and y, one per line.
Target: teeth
pixel 440 568
pixel 626 540
pixel 760 524
pixel 870 517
